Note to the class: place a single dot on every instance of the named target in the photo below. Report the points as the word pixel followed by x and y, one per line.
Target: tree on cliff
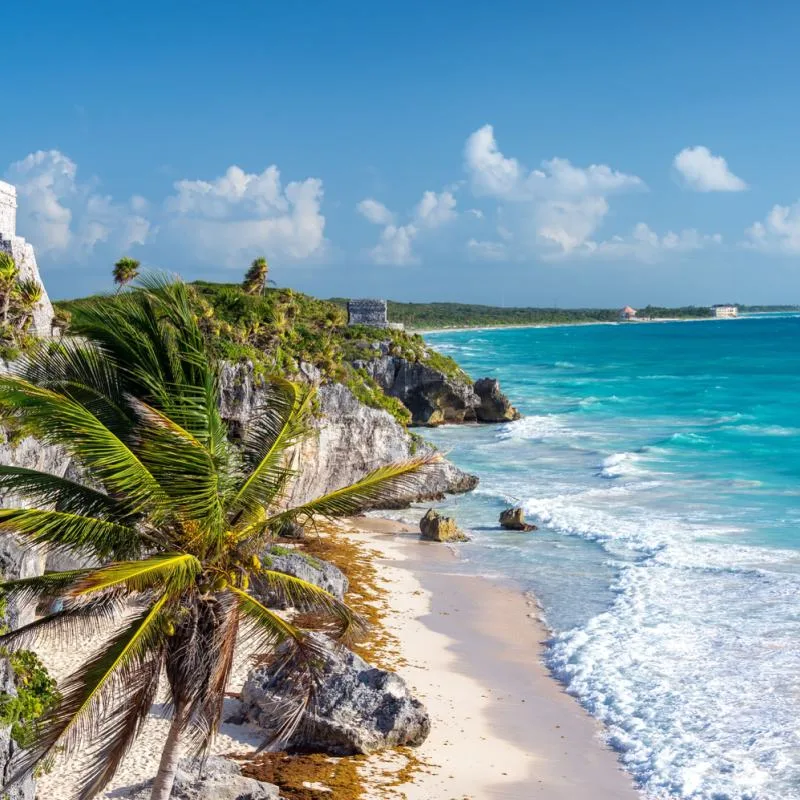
pixel 176 514
pixel 125 270
pixel 257 277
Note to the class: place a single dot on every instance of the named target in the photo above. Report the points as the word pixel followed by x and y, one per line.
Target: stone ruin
pixel 22 253
pixel 370 312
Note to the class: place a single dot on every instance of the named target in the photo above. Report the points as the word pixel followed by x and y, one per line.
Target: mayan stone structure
pixel 23 255
pixel 367 312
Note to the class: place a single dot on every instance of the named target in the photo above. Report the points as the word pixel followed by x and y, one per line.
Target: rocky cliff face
pixel 434 398
pixel 349 439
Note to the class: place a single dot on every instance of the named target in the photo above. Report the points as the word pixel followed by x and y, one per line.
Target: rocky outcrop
pixel 494 406
pixel 24 257
pixel 24 789
pixel 349 440
pixel 312 570
pixel 356 709
pixel 436 528
pixel 513 519
pixel 215 778
pixel 434 398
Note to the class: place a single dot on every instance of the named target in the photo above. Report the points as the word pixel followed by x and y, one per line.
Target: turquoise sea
pixel 662 463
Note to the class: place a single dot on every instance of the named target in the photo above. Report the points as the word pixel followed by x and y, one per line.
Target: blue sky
pixel 512 152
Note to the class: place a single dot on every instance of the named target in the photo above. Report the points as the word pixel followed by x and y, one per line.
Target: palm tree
pixel 177 516
pixel 28 293
pixel 256 278
pixel 125 270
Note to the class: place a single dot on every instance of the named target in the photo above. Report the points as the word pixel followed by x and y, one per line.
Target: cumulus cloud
pixel 644 244
pixel 395 244
pixel 702 171
pixel 238 215
pixel 63 217
pixel 779 232
pixel 375 212
pixel 560 205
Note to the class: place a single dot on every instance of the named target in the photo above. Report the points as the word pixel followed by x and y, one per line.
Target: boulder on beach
pixel 436 528
pixel 215 778
pixel 357 708
pixel 513 519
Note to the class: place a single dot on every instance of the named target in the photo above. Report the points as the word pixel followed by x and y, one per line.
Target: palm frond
pixel 40 588
pixel 379 487
pixel 173 572
pixel 182 465
pixel 42 489
pixel 59 420
pixel 87 692
pixel 299 662
pixel 308 597
pixel 73 625
pixel 71 533
pixel 278 425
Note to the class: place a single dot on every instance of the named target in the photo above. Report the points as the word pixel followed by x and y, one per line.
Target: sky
pixel 513 153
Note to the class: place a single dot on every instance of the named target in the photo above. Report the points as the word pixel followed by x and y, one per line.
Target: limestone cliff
pixel 349 439
pixel 436 398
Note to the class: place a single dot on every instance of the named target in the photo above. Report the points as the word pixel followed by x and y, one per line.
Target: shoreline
pixel 471 650
pixel 534 325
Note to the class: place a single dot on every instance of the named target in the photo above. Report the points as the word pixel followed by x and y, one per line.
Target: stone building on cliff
pixel 370 312
pixel 22 253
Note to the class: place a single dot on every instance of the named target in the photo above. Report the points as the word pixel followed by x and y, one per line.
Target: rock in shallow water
pixel 216 779
pixel 358 708
pixel 494 406
pixel 513 519
pixel 436 528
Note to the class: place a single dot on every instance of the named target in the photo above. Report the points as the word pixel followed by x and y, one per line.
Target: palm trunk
pixel 162 786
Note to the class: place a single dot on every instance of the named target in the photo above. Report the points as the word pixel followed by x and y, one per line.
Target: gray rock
pixel 214 779
pixel 436 528
pixel 357 708
pixel 312 570
pixel 494 406
pixel 24 789
pixel 513 519
pixel 348 440
pixel 432 397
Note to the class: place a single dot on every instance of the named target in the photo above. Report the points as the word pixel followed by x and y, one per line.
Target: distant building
pixel 627 313
pixel 369 312
pixel 724 311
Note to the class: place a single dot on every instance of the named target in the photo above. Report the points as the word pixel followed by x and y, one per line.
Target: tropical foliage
pixel 125 271
pixel 281 329
pixel 176 514
pixel 256 279
pixel 18 298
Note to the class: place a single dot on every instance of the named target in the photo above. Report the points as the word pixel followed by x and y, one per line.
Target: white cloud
pixel 375 212
pixel 395 244
pixel 475 212
pixel 238 215
pixel 559 206
pixel 644 244
pixel 704 172
pixel 778 233
pixel 61 216
pixel 487 250
pixel 435 209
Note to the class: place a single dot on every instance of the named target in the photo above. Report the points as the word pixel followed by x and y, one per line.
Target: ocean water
pixel 662 463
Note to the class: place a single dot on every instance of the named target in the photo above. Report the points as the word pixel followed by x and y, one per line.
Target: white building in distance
pixel 724 311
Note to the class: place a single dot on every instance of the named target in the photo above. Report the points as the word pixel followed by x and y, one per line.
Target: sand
pixel 471 651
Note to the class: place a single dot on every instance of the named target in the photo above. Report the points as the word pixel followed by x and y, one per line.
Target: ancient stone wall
pixel 367 312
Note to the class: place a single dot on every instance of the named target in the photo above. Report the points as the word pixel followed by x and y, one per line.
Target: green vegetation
pixel 279 329
pixel 125 271
pixel 177 514
pixel 18 297
pixel 423 316
pixel 743 309
pixel 36 693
